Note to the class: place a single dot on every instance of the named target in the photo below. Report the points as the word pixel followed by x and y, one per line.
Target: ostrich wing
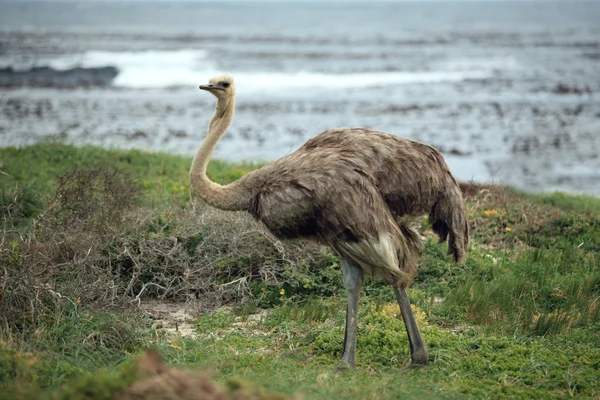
pixel 322 196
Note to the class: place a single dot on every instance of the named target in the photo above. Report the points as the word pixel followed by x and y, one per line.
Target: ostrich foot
pixel 344 366
pixel 419 358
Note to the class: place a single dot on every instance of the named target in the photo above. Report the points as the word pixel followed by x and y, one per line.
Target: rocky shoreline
pixel 534 145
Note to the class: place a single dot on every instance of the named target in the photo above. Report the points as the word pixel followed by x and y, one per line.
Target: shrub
pixel 96 243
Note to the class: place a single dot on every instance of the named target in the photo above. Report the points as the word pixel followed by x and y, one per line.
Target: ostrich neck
pixel 216 129
pixel 228 197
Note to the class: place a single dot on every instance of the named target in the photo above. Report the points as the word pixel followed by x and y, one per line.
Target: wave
pixel 50 77
pixel 143 69
pixel 189 67
pixel 311 80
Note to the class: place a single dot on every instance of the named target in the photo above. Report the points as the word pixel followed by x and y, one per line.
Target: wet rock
pixel 49 77
pixel 563 88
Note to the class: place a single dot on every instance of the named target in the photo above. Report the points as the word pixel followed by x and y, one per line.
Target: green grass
pixel 519 319
pixel 568 202
pixel 290 353
pixel 35 169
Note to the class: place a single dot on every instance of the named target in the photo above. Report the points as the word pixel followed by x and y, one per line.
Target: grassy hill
pixel 89 234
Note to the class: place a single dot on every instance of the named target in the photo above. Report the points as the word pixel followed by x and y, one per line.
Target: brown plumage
pixel 353 189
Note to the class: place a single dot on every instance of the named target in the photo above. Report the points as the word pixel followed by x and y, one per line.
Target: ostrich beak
pixel 211 87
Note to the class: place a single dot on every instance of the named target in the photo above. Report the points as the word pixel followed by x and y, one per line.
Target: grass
pixel 291 354
pixel 567 202
pixel 518 320
pixel 35 169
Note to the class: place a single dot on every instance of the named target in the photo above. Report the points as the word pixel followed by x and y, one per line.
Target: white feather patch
pixel 376 257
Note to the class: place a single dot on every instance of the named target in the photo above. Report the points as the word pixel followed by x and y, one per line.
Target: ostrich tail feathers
pixel 450 220
pixel 390 258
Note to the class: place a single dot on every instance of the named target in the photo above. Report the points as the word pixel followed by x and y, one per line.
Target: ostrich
pixel 352 189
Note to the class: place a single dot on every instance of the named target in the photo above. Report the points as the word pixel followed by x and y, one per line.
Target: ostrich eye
pixel 225 84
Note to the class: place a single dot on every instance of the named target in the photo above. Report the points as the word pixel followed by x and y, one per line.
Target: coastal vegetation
pixel 89 236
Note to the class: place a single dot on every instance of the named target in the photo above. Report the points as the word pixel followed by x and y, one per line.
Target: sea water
pixel 507 90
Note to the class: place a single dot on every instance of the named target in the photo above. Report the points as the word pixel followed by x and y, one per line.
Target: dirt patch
pixel 174 317
pixel 178 317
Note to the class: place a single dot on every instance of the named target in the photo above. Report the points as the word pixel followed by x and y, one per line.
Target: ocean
pixel 507 90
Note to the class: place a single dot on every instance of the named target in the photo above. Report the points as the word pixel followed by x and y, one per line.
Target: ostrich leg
pixel 353 278
pixel 418 351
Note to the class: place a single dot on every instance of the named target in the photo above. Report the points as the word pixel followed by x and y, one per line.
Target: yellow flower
pixel 175 346
pixel 490 212
pixel 86 315
pixel 282 292
pixel 78 301
pixel 586 224
pixel 508 229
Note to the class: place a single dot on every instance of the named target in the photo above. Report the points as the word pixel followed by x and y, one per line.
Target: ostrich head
pixel 220 86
